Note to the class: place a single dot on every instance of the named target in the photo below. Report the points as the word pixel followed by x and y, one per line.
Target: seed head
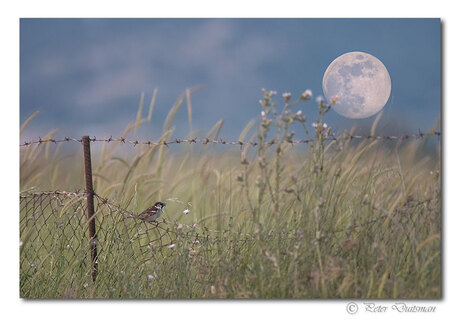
pixel 287 97
pixel 306 95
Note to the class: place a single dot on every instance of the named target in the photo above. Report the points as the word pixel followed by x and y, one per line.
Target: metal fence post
pixel 90 205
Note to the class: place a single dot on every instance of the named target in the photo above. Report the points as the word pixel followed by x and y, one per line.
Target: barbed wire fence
pixel 82 228
pixel 205 141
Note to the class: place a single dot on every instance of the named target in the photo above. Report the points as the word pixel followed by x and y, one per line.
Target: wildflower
pixel 300 233
pixel 287 97
pixel 150 277
pixel 20 243
pixel 187 211
pixel 320 100
pixel 261 102
pixel 321 199
pixel 299 113
pixel 263 115
pixel 334 99
pixel 272 93
pixel 306 95
pixel 196 242
pixel 171 246
pixel 69 246
pixel 32 265
pixel 321 126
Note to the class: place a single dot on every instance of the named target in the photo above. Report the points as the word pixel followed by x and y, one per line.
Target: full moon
pixel 361 83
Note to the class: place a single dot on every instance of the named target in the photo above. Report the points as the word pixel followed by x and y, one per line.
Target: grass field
pixel 329 219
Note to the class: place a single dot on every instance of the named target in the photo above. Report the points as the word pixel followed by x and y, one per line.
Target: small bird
pixel 152 213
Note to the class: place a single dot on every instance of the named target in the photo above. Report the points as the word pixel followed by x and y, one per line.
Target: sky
pixel 86 76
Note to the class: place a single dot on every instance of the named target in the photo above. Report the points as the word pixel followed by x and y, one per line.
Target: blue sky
pixel 86 75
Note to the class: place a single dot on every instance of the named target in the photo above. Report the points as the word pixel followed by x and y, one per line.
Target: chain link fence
pixel 54 233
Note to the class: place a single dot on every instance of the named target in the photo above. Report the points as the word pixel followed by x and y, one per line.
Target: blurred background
pixel 86 76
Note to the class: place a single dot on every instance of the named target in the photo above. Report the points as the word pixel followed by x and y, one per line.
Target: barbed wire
pixel 240 143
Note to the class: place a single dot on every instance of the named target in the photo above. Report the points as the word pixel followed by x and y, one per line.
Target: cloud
pixel 214 53
pixel 110 86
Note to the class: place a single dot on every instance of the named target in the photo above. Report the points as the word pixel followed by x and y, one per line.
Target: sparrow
pixel 150 214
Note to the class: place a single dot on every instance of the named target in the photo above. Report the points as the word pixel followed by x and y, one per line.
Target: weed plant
pixel 334 218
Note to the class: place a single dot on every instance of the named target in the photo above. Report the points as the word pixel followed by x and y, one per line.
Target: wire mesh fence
pixel 54 233
pixel 57 221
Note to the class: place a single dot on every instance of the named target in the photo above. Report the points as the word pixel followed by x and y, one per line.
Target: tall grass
pixel 335 219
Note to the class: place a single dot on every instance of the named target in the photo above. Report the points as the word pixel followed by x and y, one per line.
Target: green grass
pixel 332 219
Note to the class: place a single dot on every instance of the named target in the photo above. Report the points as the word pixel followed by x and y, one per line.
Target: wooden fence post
pixel 90 206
